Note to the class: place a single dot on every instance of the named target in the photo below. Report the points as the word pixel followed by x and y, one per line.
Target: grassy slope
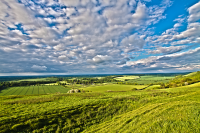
pixel 165 114
pixel 191 74
pixel 163 110
pixel 152 87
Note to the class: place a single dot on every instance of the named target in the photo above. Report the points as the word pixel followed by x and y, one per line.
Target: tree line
pixel 91 80
pixel 23 83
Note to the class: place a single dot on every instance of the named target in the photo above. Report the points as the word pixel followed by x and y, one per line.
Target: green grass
pixel 33 90
pixel 191 74
pixel 149 110
pixel 151 79
pixel 155 77
pixel 153 87
pixel 113 87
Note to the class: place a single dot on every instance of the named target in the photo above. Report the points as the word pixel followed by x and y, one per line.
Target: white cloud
pixel 192 30
pixel 176 61
pixel 132 43
pixel 63 58
pixel 39 68
pixel 59 47
pixel 70 2
pixel 177 25
pixel 14 12
pixel 188 36
pixel 167 50
pixel 100 59
pixel 140 13
pixel 194 12
pixel 84 33
pixel 69 11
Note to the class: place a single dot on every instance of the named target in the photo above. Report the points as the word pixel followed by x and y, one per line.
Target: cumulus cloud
pixel 177 25
pixel 173 62
pixel 194 12
pixel 67 34
pixel 167 50
pixel 140 13
pixel 172 36
pixel 39 68
pixel 100 59
pixel 132 43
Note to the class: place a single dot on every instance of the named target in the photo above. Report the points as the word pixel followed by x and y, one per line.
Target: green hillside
pixel 191 74
pixel 157 110
pixel 183 80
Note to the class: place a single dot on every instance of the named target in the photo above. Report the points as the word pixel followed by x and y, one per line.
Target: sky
pixel 99 36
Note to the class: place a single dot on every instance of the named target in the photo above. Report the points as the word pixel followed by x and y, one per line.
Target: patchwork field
pixel 32 90
pixel 162 110
pixel 102 108
pixel 113 87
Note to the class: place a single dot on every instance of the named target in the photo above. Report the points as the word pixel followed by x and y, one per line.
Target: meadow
pixel 112 87
pixel 161 110
pixel 33 90
pixel 151 79
pixel 101 108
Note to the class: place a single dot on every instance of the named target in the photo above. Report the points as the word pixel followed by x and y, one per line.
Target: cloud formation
pixel 98 35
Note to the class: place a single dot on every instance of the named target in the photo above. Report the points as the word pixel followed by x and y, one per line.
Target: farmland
pixel 164 110
pixel 151 79
pixel 113 87
pixel 126 78
pixel 103 107
pixel 33 90
pixel 152 87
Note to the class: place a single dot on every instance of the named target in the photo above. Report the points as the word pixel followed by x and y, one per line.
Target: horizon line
pixel 65 74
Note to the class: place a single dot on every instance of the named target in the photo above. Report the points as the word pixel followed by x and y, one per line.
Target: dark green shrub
pixel 134 89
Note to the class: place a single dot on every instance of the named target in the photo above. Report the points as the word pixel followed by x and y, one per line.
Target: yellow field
pixel 127 77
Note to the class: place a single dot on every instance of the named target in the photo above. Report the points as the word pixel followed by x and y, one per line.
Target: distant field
pixel 151 79
pixel 155 77
pixel 51 84
pixel 32 90
pixel 37 79
pixel 113 87
pixel 127 77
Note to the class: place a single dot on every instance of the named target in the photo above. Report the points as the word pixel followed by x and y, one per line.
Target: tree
pixel 58 82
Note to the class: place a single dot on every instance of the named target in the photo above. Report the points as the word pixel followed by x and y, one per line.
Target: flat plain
pixel 33 90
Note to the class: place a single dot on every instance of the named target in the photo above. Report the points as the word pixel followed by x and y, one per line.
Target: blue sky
pixel 99 36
